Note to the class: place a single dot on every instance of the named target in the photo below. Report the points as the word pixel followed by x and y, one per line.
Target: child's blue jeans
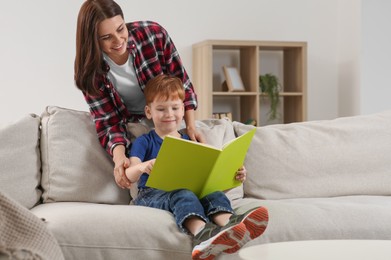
pixel 184 203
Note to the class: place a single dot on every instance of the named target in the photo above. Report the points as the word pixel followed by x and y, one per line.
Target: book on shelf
pixel 201 168
pixel 222 115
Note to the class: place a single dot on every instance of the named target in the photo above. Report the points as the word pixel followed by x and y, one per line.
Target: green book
pixel 201 168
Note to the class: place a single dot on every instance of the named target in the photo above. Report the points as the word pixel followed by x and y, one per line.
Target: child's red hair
pixel 164 87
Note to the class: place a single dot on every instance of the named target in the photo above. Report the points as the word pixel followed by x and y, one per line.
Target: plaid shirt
pixel 154 53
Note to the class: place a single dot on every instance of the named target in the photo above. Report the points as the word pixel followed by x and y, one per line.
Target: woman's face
pixel 113 38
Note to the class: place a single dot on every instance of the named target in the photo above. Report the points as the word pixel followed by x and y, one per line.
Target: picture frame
pixel 233 80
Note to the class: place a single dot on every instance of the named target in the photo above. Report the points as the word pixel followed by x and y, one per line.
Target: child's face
pixel 166 115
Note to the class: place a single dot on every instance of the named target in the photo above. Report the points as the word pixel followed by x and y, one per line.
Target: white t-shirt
pixel 125 81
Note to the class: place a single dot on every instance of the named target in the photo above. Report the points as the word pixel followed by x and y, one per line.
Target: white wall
pixel 37 49
pixel 375 86
pixel 349 46
pixel 38 42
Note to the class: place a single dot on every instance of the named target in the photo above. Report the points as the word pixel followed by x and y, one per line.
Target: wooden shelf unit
pixel 293 96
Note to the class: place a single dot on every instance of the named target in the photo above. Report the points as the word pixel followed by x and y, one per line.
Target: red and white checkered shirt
pixel 154 53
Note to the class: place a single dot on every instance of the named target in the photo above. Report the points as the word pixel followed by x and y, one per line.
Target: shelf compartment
pixel 248 56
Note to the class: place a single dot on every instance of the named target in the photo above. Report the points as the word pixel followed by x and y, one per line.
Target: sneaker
pixel 255 220
pixel 213 239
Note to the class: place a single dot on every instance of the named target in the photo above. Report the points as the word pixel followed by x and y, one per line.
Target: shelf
pixel 250 58
pixel 285 94
pixel 282 94
pixel 221 93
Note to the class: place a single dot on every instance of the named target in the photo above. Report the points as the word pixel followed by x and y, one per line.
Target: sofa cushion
pixel 98 231
pixel 20 160
pixel 344 156
pixel 75 167
pixel 347 217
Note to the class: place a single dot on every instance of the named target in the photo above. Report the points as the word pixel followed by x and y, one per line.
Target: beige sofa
pixel 319 180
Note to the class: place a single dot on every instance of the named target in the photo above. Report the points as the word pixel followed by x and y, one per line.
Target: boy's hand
pixel 148 165
pixel 137 168
pixel 241 174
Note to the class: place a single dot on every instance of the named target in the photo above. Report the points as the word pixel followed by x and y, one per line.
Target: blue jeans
pixel 184 203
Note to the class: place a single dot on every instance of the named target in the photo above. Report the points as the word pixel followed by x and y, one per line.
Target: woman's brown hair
pixel 89 59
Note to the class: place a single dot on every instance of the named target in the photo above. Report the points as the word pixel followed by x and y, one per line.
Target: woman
pixel 113 63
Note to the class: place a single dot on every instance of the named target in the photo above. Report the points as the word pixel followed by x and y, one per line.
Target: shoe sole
pixel 227 239
pixel 256 223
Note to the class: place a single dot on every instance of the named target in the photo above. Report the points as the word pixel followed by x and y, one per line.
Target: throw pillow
pixel 320 158
pixel 75 167
pixel 20 160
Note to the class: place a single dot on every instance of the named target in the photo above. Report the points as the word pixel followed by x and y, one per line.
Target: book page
pixel 182 164
pixel 230 160
pixel 195 143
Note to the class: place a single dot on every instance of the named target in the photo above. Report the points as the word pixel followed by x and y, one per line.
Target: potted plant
pixel 270 85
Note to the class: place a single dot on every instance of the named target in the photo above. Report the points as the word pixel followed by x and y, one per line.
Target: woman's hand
pixel 241 174
pixel 121 162
pixel 195 135
pixel 191 129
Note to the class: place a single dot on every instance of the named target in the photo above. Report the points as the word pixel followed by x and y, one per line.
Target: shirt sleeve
pixel 139 147
pixel 174 65
pixel 110 125
pixel 156 54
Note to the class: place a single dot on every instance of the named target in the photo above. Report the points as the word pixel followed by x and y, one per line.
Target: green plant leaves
pixel 270 85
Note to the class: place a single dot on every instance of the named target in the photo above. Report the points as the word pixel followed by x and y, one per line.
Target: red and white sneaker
pixel 255 220
pixel 213 239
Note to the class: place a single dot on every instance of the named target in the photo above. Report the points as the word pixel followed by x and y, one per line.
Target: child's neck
pixel 163 134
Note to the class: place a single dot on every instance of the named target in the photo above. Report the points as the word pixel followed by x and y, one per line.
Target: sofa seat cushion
pixel 347 217
pixel 98 231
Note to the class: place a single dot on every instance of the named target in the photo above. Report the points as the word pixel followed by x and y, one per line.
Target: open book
pixel 198 167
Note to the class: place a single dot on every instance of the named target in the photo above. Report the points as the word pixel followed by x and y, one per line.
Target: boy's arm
pixel 137 168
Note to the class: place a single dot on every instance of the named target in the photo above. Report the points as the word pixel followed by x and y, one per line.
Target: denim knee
pixel 216 202
pixel 184 204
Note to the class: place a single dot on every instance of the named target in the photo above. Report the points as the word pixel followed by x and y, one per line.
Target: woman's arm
pixel 121 162
pixel 191 128
pixel 175 67
pixel 111 131
pixel 109 122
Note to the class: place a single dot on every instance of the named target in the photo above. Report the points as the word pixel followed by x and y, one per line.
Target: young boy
pixel 211 220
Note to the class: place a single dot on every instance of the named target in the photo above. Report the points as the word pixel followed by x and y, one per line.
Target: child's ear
pixel 147 111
